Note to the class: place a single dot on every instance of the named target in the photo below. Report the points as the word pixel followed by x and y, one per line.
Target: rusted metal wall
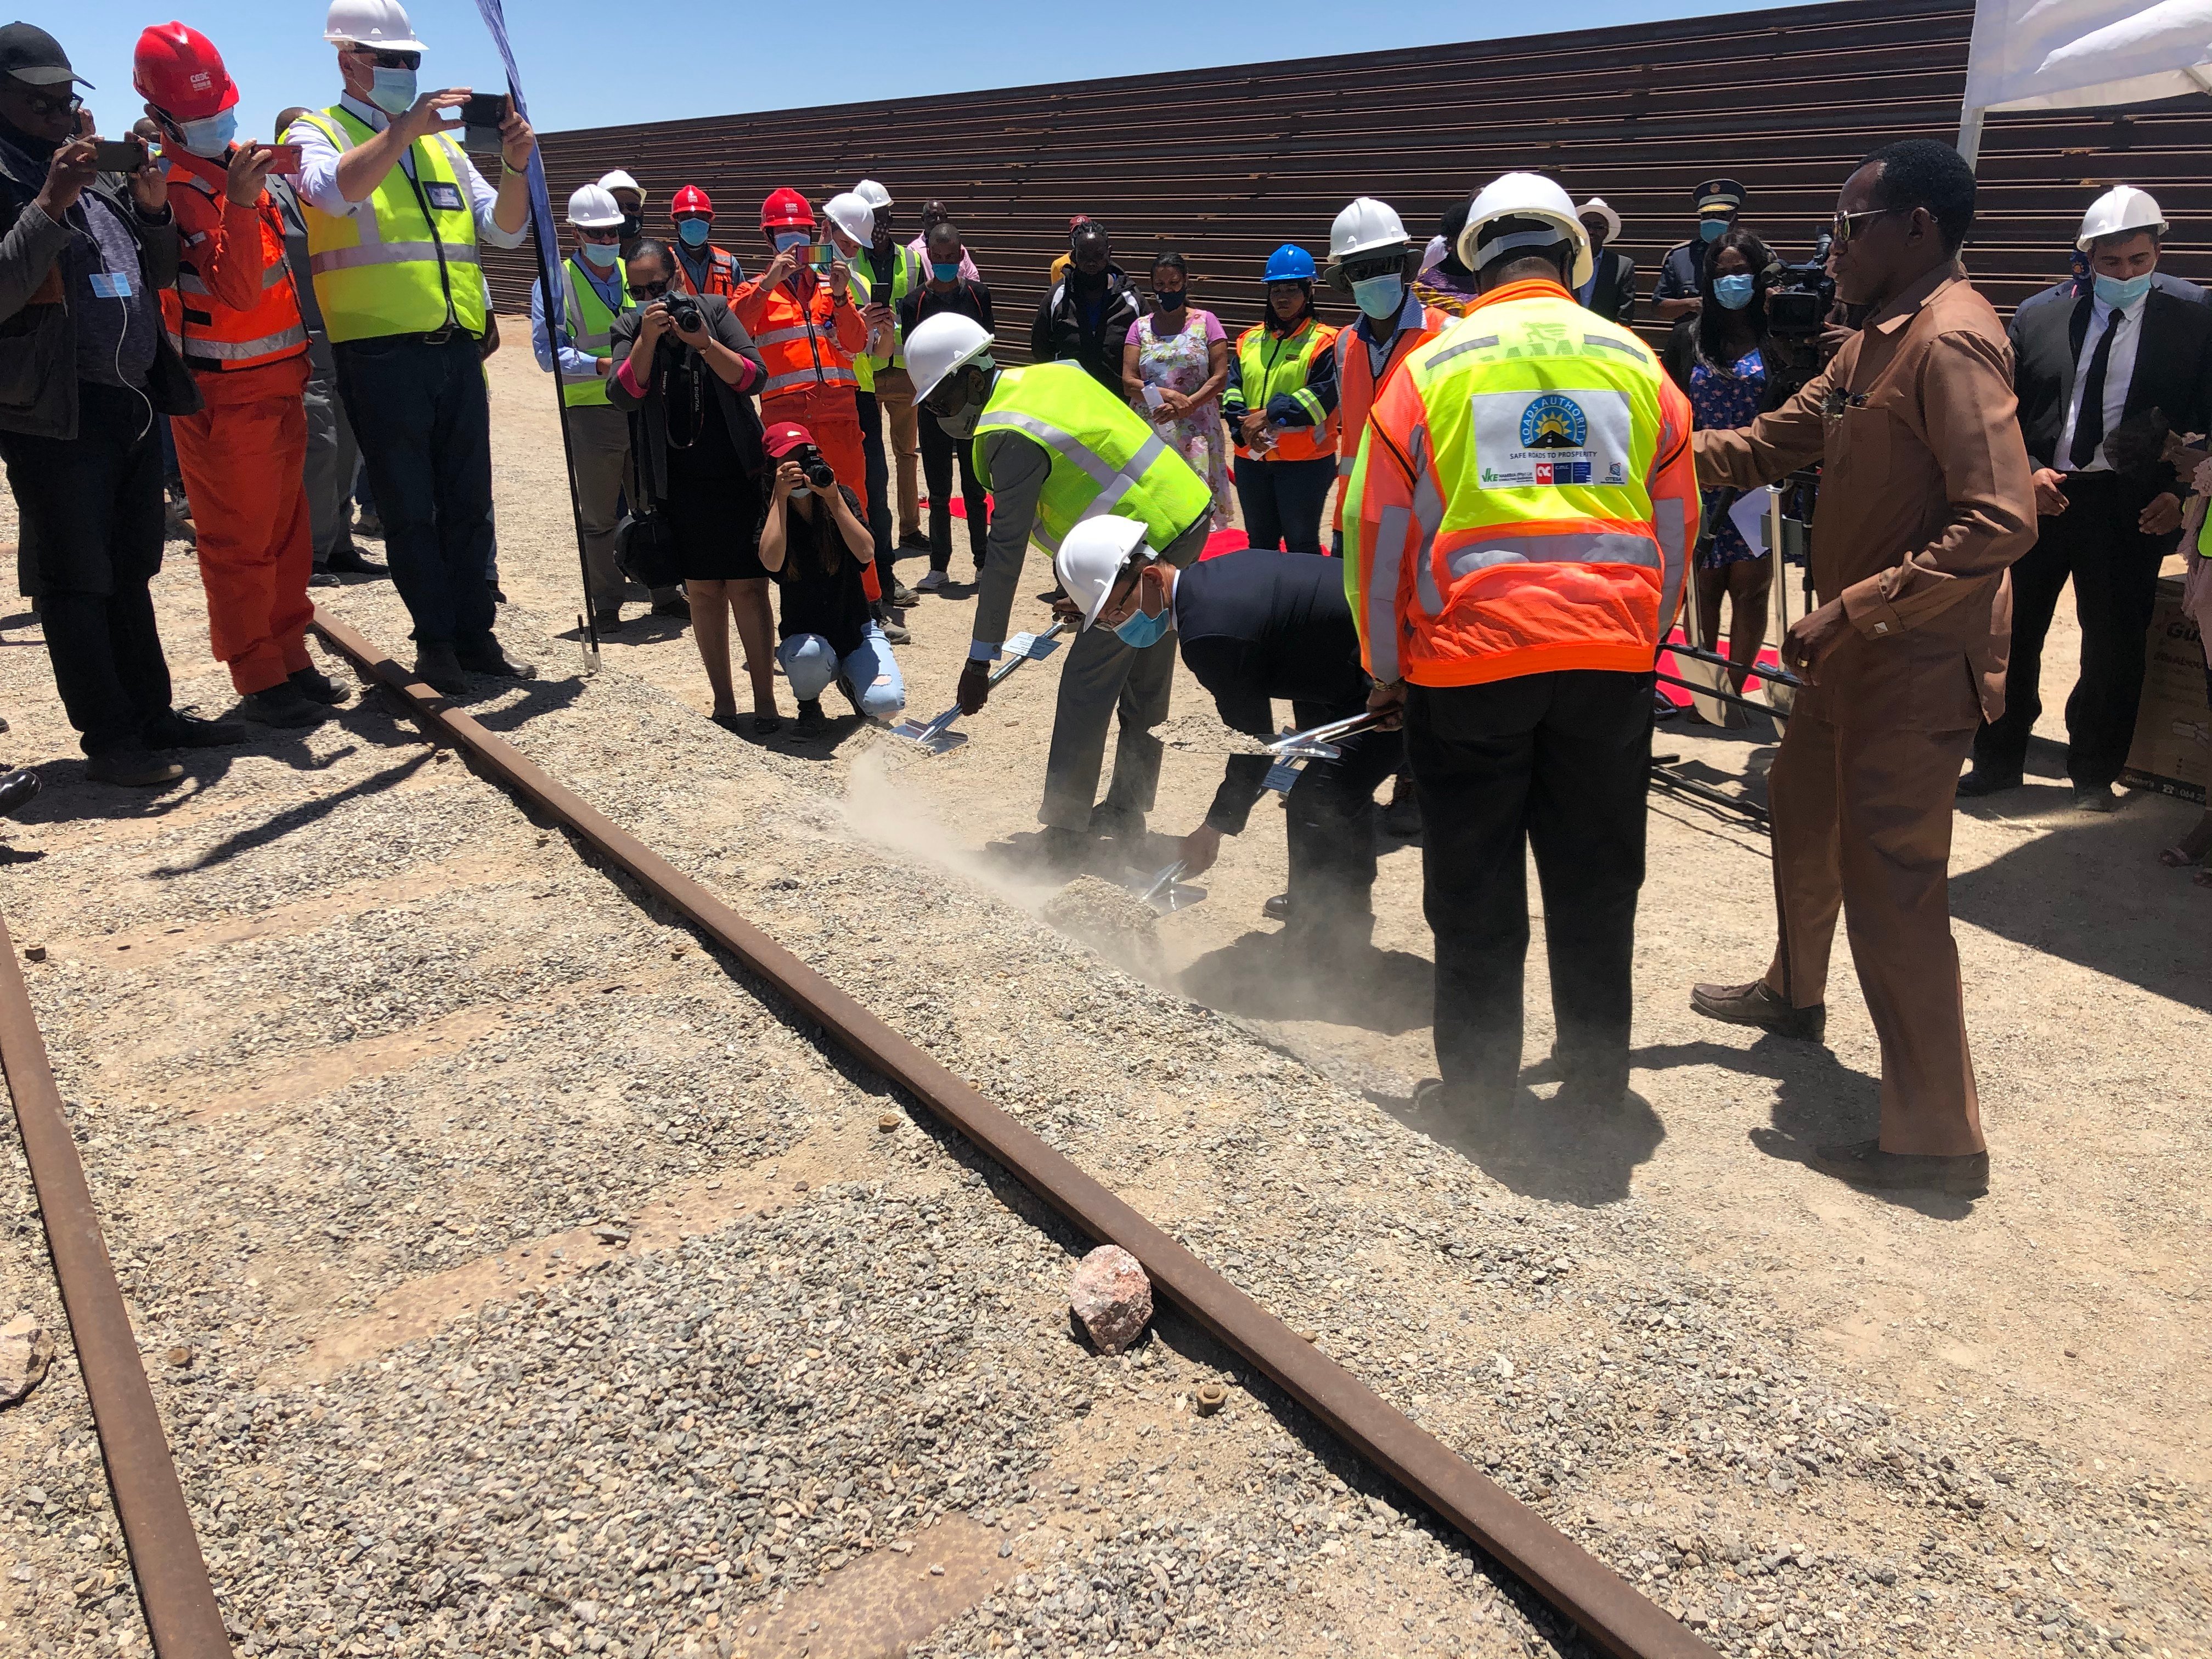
pixel 1224 164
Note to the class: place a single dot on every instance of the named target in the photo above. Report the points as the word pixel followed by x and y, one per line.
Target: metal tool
pixel 937 736
pixel 1168 892
pixel 1313 743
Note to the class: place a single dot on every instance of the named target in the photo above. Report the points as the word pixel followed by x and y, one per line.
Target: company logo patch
pixel 1552 439
pixel 1554 422
pixel 445 197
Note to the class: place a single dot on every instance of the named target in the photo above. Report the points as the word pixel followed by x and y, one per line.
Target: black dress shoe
pixel 320 577
pixel 608 622
pixel 1863 1164
pixel 16 788
pixel 678 606
pixel 437 667
pixel 1987 780
pixel 1755 1005
pixel 313 684
pixel 282 704
pixel 134 768
pixel 170 730
pixel 348 562
pixel 489 659
pixel 1277 909
pixel 2095 798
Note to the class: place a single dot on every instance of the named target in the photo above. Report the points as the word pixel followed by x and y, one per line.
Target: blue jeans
pixel 871 674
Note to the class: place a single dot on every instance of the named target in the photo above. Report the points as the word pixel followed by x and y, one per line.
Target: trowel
pixel 937 736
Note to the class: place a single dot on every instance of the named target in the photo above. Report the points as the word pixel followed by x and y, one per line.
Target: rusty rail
pixel 171 1574
pixel 1582 1589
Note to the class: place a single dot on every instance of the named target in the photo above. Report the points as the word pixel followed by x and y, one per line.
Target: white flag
pixel 2065 54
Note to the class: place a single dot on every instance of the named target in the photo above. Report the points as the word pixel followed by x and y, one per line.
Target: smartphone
pixel 119 154
pixel 287 160
pixel 819 254
pixel 484 109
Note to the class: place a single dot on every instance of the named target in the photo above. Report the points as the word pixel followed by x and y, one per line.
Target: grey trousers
pixel 329 469
pixel 600 434
pixel 1104 678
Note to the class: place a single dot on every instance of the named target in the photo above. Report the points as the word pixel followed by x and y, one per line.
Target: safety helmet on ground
pixel 1093 556
pixel 691 199
pixel 379 24
pixel 941 343
pixel 593 207
pixel 1367 226
pixel 872 194
pixel 1523 196
pixel 2119 211
pixel 786 210
pixel 1597 205
pixel 851 216
pixel 178 71
pixel 1289 264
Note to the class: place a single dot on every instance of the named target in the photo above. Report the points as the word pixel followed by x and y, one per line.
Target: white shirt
pixel 318 173
pixel 2119 370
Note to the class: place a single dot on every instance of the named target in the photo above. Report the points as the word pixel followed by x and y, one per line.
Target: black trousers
pixel 1282 501
pixel 424 426
pixel 1557 763
pixel 878 474
pixel 91 505
pixel 2115 571
pixel 1330 824
pixel 938 449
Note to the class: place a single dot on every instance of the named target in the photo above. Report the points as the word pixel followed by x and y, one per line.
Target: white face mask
pixel 797 490
pixel 392 90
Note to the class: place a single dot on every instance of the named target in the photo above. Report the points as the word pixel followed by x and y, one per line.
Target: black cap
pixel 1719 193
pixel 29 53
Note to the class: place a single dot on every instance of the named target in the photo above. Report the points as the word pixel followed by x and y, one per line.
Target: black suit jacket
pixel 2172 369
pixel 1613 294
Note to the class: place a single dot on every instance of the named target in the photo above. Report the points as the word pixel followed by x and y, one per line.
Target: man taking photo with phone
pixel 395 212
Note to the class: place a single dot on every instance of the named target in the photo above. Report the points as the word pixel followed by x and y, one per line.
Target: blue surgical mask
pixel 392 90
pixel 1140 630
pixel 1712 229
pixel 602 255
pixel 2120 293
pixel 945 270
pixel 1734 292
pixel 694 232
pixel 1380 297
pixel 209 137
pixel 792 241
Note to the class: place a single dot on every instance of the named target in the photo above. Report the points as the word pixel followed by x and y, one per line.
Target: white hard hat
pixel 939 344
pixel 592 207
pixel 1364 228
pixel 1523 196
pixel 2119 210
pixel 620 181
pixel 1598 205
pixel 1092 555
pixel 853 216
pixel 379 24
pixel 872 194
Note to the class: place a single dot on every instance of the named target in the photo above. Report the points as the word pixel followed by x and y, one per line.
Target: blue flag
pixel 544 233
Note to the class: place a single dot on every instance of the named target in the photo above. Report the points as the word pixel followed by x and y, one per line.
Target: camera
pixel 683 312
pixel 1799 297
pixel 816 469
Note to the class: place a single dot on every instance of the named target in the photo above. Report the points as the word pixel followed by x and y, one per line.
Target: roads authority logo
pixel 1554 422
pixel 1550 437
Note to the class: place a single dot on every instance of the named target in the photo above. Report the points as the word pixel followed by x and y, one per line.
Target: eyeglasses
pixel 391 59
pixel 45 109
pixel 1842 230
pixel 595 234
pixel 649 290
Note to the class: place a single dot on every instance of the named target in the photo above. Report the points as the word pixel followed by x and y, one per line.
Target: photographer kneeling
pixel 813 539
pixel 687 364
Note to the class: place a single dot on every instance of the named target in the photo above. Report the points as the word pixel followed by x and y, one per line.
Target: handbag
pixel 645 550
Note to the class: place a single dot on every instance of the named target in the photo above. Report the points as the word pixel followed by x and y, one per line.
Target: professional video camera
pixel 1799 297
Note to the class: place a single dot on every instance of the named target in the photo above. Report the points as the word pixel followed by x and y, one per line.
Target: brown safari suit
pixel 1925 499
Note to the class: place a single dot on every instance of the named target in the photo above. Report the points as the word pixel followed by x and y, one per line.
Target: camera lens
pixel 820 476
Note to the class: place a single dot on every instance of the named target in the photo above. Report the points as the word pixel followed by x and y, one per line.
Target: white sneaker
pixel 930 582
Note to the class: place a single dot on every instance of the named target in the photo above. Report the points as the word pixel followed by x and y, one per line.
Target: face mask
pixel 392 90
pixel 1140 630
pixel 2121 293
pixel 211 136
pixel 797 490
pixel 602 254
pixel 1734 292
pixel 1168 299
pixel 1711 230
pixel 962 422
pixel 1380 296
pixel 945 270
pixel 694 232
pixel 631 225
pixel 792 241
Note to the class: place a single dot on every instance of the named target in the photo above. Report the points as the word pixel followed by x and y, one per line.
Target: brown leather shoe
pixel 1755 1005
pixel 1863 1164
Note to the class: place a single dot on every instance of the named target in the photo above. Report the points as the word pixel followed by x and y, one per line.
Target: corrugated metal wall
pixel 1225 164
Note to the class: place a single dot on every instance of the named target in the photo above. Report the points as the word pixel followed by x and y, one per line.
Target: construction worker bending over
pixel 1055 447
pixel 1253 627
pixel 235 317
pixel 1522 503
pixel 1281 404
pixel 395 212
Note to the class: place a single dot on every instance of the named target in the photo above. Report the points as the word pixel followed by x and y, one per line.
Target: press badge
pixel 112 284
pixel 447 198
pixel 1570 435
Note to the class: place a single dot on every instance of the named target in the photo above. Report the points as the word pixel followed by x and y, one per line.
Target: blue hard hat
pixel 1289 263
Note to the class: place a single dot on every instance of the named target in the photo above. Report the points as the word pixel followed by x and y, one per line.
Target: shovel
pixel 1313 743
pixel 1168 892
pixel 937 736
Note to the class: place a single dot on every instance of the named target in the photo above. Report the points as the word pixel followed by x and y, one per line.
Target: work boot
pixel 170 730
pixel 488 659
pixel 678 606
pixel 1988 781
pixel 607 623
pixel 900 594
pixel 16 790
pixel 916 539
pixel 1403 816
pixel 2095 798
pixel 320 577
pixel 812 722
pixel 312 682
pixel 346 559
pixel 1063 852
pixel 1756 1005
pixel 1863 1164
pixel 894 631
pixel 282 704
pixel 134 768
pixel 437 667
pixel 1121 825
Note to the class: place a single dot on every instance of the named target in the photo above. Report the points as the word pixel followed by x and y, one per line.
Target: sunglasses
pixel 45 109
pixel 949 395
pixel 1843 229
pixel 391 59
pixel 649 290
pixel 590 233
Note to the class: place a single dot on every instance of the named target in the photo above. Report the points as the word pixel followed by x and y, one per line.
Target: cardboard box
pixel 2172 747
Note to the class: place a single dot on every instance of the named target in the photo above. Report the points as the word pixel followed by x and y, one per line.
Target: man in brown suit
pixel 1926 496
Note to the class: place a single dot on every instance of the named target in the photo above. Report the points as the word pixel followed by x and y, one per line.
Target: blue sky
pixel 581 67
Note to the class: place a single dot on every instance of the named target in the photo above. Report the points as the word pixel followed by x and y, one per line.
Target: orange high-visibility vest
pixel 1355 386
pixel 797 339
pixel 721 272
pixel 211 337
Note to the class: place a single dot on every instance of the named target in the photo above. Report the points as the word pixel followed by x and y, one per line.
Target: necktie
pixel 2090 425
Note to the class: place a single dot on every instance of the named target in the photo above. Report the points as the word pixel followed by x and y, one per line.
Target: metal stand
pixel 549 275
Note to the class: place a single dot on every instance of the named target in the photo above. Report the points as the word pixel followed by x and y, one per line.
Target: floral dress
pixel 1722 398
pixel 1178 363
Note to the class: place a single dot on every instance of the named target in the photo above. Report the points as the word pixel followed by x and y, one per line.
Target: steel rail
pixel 1596 1600
pixel 164 1549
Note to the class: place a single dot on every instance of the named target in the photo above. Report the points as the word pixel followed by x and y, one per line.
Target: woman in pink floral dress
pixel 1173 368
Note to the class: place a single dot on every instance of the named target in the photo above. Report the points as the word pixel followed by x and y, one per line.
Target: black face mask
pixel 632 227
pixel 1168 299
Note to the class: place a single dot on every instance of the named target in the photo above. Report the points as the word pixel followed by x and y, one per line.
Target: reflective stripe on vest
pixel 1356 388
pixel 1261 374
pixel 213 337
pixel 591 330
pixel 1105 457
pixel 906 272
pixel 799 349
pixel 404 261
pixel 864 366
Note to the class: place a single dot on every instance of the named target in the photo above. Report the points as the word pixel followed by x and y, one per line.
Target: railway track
pixel 174 1585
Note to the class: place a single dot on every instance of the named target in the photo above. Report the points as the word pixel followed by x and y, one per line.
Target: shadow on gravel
pixel 296 818
pixel 1564 1154
pixel 530 699
pixel 1257 976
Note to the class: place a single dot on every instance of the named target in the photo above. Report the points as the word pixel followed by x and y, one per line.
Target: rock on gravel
pixel 1112 1298
pixel 27 1348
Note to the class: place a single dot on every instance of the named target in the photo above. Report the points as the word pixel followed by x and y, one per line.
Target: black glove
pixel 975 686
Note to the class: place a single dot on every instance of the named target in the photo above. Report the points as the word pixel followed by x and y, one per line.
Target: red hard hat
pixel 179 71
pixel 786 210
pixel 692 199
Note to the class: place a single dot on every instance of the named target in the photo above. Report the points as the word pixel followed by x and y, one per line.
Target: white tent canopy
pixel 2065 54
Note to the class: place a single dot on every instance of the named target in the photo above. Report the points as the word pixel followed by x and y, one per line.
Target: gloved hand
pixel 975 686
